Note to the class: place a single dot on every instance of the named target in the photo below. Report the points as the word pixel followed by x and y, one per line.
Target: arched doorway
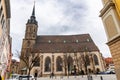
pixel 36 73
pixel 97 70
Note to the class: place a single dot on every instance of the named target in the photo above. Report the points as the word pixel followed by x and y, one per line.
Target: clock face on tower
pixel 117 5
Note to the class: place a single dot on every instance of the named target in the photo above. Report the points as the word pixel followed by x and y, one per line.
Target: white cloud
pixel 59 17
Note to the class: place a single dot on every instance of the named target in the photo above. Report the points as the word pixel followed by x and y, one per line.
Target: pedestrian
pixel 91 77
pixel 101 77
pixel 35 76
pixel 52 74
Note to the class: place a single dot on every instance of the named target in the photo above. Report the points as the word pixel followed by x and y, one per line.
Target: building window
pixel 3 23
pixel 70 63
pixel 87 60
pixel 47 64
pixel 34 30
pixel 96 60
pixel 59 64
pixel 77 41
pixel 49 41
pixel 64 41
pixel 28 43
pixel 1 11
pixel 37 63
pixel 2 19
pixel 88 40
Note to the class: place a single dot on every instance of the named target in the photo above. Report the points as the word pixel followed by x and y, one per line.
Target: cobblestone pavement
pixel 95 77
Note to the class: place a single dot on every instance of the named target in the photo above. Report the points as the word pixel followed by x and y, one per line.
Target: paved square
pixel 95 77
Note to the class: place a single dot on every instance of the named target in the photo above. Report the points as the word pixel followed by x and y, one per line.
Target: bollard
pixel 101 78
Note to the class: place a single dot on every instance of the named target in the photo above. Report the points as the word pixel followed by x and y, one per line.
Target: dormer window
pixel 64 41
pixel 49 41
pixel 77 41
pixel 88 40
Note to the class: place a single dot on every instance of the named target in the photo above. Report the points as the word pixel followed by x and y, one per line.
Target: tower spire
pixel 32 19
pixel 33 12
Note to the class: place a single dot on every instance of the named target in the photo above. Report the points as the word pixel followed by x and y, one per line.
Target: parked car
pixel 14 77
pixel 107 72
pixel 102 72
pixel 25 77
pixel 110 72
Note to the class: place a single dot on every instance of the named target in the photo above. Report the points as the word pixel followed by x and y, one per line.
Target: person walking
pixel 101 78
pixel 35 76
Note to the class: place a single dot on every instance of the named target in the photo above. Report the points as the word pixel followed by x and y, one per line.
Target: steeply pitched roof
pixel 32 19
pixel 64 44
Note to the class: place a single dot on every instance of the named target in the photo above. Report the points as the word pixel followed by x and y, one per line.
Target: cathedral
pixel 59 54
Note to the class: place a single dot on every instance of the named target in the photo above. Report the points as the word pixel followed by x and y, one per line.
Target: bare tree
pixel 29 60
pixel 64 65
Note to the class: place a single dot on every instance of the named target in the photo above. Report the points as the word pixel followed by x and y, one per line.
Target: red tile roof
pixel 64 43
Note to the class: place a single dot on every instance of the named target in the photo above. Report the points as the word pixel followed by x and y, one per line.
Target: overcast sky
pixel 59 17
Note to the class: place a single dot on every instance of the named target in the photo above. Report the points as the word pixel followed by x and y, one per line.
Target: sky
pixel 59 17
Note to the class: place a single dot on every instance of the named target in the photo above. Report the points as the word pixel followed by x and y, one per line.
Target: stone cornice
pixel 113 40
pixel 106 7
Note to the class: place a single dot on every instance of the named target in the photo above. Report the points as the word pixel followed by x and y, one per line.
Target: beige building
pixel 5 39
pixel 111 20
pixel 60 54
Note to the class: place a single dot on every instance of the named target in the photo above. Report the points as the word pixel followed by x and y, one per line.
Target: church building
pixel 60 54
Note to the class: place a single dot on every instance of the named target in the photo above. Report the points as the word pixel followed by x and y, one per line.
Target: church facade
pixel 60 54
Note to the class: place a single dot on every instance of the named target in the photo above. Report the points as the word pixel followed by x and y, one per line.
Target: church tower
pixel 30 33
pixel 30 38
pixel 110 15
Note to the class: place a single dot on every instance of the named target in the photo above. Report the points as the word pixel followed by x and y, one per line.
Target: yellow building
pixel 5 39
pixel 117 5
pixel 111 20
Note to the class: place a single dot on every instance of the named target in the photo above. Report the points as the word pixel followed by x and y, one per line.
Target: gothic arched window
pixel 47 64
pixel 96 60
pixel 59 64
pixel 87 60
pixel 70 62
